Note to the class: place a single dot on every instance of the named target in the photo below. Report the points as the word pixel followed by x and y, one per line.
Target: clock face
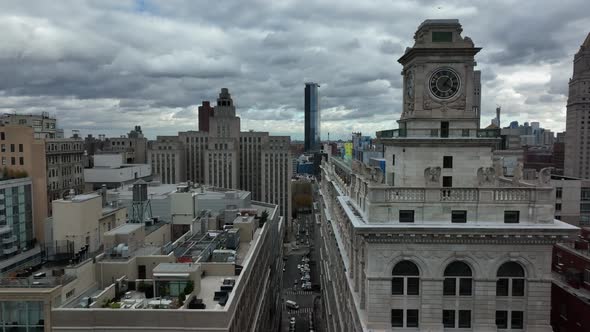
pixel 444 83
pixel 410 84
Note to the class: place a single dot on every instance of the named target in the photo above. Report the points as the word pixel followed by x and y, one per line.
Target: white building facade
pixel 443 241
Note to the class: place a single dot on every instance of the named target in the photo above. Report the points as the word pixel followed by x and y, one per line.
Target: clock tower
pixel 441 87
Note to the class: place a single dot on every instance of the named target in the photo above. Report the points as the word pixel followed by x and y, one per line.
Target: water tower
pixel 141 208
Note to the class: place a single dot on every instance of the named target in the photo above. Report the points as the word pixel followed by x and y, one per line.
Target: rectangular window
pixel 442 36
pixel 21 160
pixel 393 160
pixel 2 136
pixel 412 318
pixel 12 160
pixel 458 216
pixel 464 319
pixel 11 147
pixel 406 216
pixel 502 287
pixel 558 192
pixel 587 276
pixel 502 319
pixel 448 162
pixel 413 286
pixel 444 129
pixel 511 217
pixel 397 318
pixel 465 287
pixel 397 286
pixel 517 287
pixel 20 148
pixel 447 181
pixel 557 206
pixel 517 320
pixel 449 318
pixel 449 287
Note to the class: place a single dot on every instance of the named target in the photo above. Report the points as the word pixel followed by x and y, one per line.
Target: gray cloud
pixel 152 62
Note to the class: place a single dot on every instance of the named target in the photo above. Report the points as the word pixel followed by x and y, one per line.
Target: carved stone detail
pixel 432 175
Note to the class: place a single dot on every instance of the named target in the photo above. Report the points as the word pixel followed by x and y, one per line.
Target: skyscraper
pixel 312 117
pixel 577 163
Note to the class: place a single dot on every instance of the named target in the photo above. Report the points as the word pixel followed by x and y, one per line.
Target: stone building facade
pixel 442 241
pixel 577 153
pixel 226 157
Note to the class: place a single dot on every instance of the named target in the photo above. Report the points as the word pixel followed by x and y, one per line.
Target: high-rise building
pixel 16 215
pixel 312 118
pixel 448 242
pixel 205 113
pixel 577 148
pixel 225 157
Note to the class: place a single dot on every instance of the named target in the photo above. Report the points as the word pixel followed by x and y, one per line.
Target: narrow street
pixel 293 290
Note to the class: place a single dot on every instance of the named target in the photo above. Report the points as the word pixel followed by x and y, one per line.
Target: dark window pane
pixel 465 286
pixel 517 287
pixel 449 287
pixel 465 319
pixel 511 217
pixel 442 36
pixel 412 318
pixel 517 320
pixel 393 160
pixel 444 129
pixel 449 318
pixel 502 287
pixel 447 162
pixel 502 319
pixel 459 216
pixel 457 269
pixel 413 286
pixel 397 286
pixel 405 268
pixel 397 318
pixel 511 269
pixel 447 181
pixel 406 216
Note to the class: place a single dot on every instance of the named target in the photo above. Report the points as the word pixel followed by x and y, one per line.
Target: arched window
pixel 458 280
pixel 406 280
pixel 510 280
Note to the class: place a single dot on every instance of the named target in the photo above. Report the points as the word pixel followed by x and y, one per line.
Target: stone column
pixel 484 315
pixel 431 304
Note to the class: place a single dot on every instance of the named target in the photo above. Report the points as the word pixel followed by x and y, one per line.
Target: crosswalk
pixel 298 292
pixel 300 311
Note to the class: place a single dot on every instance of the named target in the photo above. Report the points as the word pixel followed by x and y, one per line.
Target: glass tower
pixel 312 117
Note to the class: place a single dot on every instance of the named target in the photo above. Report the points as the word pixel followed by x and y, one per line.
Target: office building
pixel 447 242
pixel 577 148
pixel 312 118
pixel 133 146
pixel 226 157
pixel 65 167
pixel 205 113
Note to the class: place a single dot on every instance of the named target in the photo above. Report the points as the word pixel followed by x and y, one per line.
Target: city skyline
pixel 141 58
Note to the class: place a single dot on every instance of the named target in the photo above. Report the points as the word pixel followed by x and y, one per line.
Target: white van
pixel 292 304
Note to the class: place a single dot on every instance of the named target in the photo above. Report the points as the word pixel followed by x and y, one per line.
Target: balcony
pixel 10 239
pixel 8 251
pixel 438 133
pixel 488 195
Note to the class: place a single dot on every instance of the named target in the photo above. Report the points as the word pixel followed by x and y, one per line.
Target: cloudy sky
pixel 105 66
